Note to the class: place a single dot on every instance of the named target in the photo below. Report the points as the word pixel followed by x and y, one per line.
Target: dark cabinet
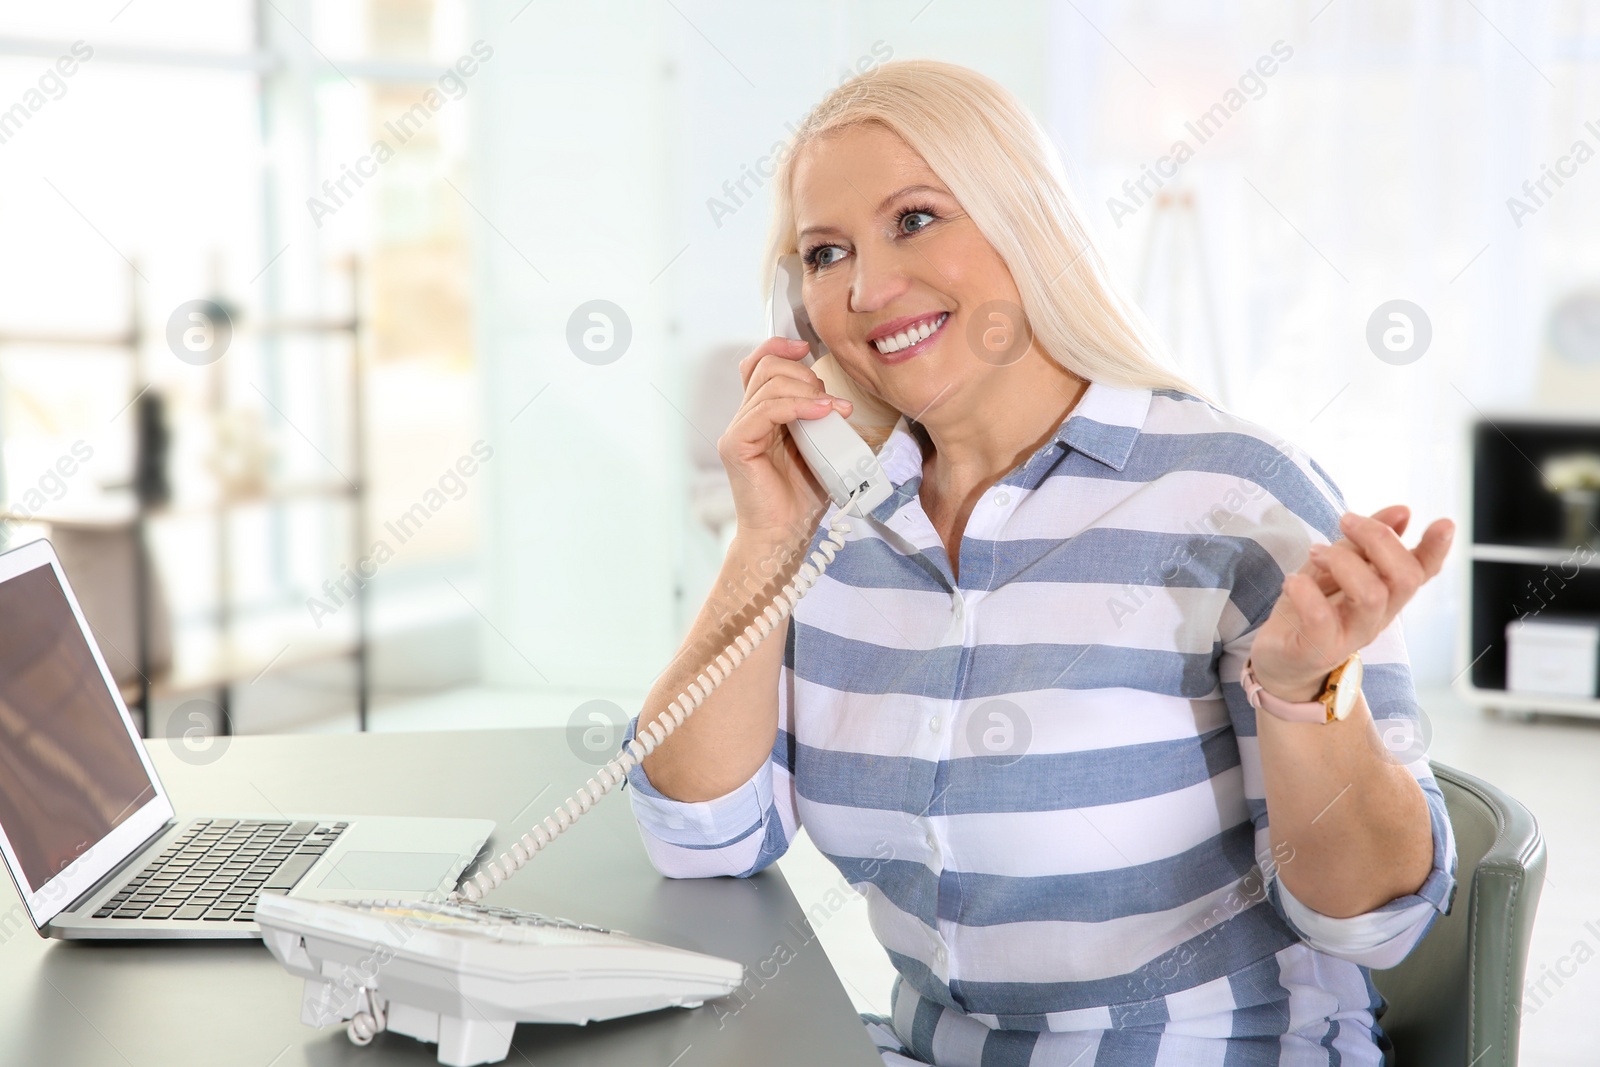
pixel 1535 556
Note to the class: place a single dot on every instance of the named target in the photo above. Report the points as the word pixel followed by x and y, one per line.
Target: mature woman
pixel 1078 708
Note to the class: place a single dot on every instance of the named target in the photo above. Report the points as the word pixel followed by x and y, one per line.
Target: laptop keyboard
pixel 218 867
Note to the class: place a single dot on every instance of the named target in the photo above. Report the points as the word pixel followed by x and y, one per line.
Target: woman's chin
pixel 919 403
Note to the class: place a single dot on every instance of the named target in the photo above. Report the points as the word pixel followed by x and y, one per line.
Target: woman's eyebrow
pixel 882 206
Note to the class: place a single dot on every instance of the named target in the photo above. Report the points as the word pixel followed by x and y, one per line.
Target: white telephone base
pixel 464 975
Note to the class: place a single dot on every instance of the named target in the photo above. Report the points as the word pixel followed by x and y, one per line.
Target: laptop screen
pixel 69 773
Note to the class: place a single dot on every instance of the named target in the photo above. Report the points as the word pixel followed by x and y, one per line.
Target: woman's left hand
pixel 1342 598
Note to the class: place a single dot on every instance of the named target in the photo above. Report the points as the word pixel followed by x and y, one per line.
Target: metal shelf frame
pixel 229 667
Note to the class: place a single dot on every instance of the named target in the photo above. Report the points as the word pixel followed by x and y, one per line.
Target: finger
pixel 1311 615
pixel 780 384
pixel 1396 516
pixel 782 347
pixel 1433 547
pixel 750 433
pixel 772 366
pixel 754 427
pixel 1285 604
pixel 1381 545
pixel 1319 574
pixel 786 409
pixel 1366 596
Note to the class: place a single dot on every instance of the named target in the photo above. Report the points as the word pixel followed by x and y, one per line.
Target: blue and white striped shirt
pixel 1044 777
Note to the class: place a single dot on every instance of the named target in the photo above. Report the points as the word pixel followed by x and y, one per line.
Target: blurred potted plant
pixel 1575 479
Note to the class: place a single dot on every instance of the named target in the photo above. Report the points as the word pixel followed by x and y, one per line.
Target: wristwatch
pixel 1337 699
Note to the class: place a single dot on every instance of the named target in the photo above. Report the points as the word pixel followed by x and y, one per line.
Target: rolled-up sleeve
pixel 1306 511
pixel 1381 938
pixel 738 833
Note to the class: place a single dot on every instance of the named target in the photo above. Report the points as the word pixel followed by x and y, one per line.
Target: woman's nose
pixel 878 282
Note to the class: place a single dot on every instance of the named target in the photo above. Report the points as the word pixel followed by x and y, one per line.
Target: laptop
pixel 90 837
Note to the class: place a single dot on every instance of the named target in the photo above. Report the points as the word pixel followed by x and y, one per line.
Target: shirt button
pixel 933 724
pixel 938 954
pixel 1002 498
pixel 933 842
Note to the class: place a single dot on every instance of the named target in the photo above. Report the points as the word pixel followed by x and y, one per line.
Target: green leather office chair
pixel 1456 999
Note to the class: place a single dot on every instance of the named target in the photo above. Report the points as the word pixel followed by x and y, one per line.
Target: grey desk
pixel 155 1004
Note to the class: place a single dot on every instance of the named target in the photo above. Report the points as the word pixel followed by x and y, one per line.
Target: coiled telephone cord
pixel 616 770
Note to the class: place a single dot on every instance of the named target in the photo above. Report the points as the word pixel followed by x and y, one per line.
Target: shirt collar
pixel 1104 425
pixel 1107 422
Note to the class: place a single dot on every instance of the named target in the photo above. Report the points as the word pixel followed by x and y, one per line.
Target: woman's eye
pixel 912 221
pixel 826 256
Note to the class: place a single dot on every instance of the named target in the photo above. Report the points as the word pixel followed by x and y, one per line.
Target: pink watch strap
pixel 1293 711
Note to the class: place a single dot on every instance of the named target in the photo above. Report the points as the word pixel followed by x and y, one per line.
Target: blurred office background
pixel 437 302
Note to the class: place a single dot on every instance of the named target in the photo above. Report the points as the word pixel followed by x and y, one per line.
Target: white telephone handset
pixel 321 941
pixel 836 454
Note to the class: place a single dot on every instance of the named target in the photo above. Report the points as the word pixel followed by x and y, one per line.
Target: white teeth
pixel 887 345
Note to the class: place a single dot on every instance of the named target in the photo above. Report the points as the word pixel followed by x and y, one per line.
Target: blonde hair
pixel 1002 168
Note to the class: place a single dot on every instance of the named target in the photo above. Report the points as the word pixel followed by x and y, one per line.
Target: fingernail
pixel 1347 520
pixel 841 402
pixel 1318 551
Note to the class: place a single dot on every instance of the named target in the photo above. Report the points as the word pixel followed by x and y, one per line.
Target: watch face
pixel 1349 688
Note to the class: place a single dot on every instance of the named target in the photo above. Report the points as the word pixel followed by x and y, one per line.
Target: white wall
pixel 570 168
pixel 601 133
pixel 1376 166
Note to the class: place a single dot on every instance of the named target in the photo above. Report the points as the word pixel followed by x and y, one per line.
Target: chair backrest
pixel 1456 999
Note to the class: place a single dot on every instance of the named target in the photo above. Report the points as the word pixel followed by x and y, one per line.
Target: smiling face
pixel 898 280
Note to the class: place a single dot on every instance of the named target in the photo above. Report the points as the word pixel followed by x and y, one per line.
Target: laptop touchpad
pixel 389 870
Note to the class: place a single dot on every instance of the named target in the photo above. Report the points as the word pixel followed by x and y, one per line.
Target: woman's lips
pixel 913 341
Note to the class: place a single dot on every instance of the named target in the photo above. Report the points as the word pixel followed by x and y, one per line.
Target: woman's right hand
pixel 775 495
